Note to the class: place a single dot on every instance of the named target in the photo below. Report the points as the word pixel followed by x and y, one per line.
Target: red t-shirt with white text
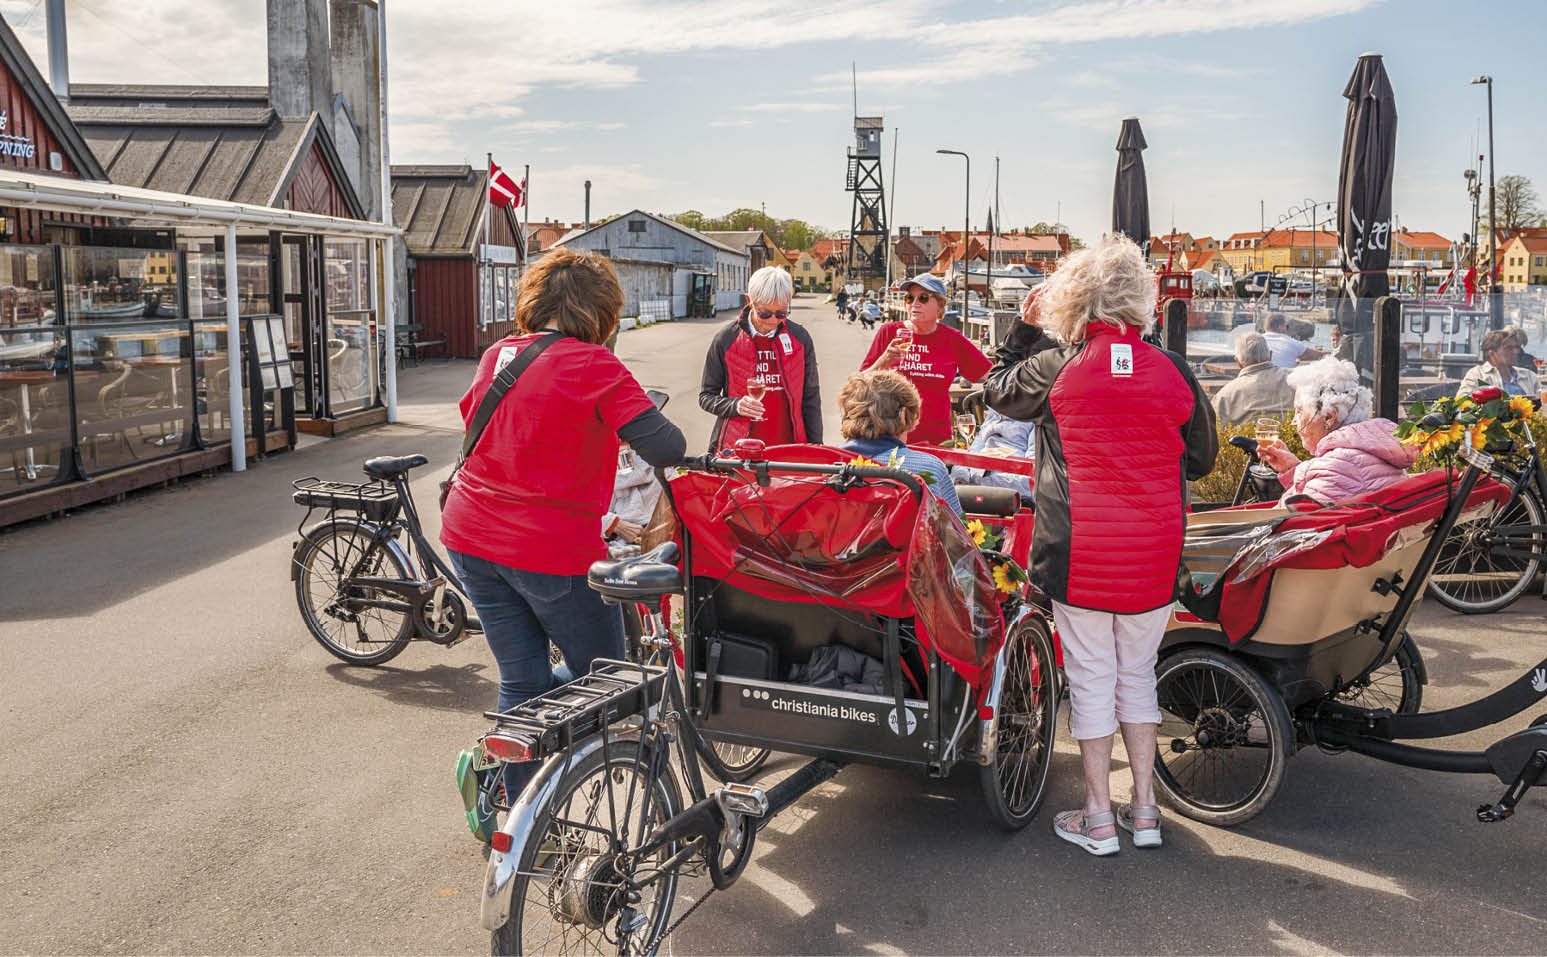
pixel 533 493
pixel 931 364
pixel 776 428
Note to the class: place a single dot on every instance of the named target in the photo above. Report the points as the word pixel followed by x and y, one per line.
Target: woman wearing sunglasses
pixel 760 377
pixel 928 354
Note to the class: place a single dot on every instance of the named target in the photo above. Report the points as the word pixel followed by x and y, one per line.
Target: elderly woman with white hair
pixel 760 375
pixel 1354 453
pixel 1121 427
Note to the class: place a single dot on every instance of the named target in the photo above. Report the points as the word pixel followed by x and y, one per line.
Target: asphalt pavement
pixel 184 770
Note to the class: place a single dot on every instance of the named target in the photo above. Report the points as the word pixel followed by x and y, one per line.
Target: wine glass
pixel 905 335
pixel 756 388
pixel 966 425
pixel 1267 432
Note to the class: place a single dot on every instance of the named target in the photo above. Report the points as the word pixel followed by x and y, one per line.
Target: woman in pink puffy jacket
pixel 1354 454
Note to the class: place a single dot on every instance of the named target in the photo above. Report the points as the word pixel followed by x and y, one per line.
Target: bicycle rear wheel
pixel 573 892
pixel 1471 576
pixel 360 624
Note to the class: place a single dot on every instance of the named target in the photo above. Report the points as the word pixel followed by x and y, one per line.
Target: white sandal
pixel 1144 835
pixel 1080 836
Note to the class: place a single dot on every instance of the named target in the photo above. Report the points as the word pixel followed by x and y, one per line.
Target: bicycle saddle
pixel 391 466
pixel 639 578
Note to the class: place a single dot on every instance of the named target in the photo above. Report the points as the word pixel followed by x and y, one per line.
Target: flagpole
pixel 488 214
pixel 526 211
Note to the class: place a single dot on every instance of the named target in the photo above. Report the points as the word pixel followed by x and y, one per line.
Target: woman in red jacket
pixel 523 520
pixel 928 354
pixel 1121 427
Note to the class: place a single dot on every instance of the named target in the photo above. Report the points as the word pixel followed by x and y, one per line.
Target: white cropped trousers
pixel 1110 663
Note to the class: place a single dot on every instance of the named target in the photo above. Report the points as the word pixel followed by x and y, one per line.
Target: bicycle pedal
pixel 742 799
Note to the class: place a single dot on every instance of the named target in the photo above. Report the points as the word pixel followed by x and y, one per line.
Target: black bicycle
pixel 362 593
pixel 1488 561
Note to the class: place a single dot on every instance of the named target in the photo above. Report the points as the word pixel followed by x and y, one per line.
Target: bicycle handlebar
pixel 709 463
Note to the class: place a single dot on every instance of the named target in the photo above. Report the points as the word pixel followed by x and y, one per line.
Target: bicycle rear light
pixel 508 748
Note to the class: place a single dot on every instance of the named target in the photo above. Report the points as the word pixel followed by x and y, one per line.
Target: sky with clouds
pixel 713 104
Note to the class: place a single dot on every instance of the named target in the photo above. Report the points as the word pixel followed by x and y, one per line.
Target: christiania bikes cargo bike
pixel 828 609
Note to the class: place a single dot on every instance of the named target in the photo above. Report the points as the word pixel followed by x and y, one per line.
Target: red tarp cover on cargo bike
pixel 1352 534
pixel 874 547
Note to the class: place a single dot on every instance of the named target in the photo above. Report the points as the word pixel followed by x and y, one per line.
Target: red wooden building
pixel 458 291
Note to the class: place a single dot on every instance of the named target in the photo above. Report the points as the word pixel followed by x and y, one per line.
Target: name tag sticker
pixel 1122 359
pixel 507 353
pixel 784 340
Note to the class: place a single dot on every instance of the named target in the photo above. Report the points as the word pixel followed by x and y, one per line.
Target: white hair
pixel 1251 349
pixel 1331 385
pixel 771 286
pixel 1108 282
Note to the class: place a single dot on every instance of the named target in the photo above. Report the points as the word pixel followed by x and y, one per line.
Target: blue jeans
pixel 521 613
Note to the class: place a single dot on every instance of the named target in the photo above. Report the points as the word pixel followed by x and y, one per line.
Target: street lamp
pixel 1495 320
pixel 966 226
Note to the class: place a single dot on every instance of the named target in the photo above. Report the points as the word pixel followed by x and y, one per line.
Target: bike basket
pixel 376 501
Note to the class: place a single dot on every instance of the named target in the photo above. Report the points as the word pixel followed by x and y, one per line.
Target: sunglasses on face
pixel 920 298
pixel 772 313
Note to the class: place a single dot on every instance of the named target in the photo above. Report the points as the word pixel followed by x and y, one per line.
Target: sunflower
pixel 861 460
pixel 1002 580
pixel 1441 438
pixel 1480 433
pixel 1522 406
pixel 977 531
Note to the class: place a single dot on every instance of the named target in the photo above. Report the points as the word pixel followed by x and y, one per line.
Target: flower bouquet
pixel 1493 417
pixel 1008 574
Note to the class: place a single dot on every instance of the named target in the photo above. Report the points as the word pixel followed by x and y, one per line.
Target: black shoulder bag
pixel 491 399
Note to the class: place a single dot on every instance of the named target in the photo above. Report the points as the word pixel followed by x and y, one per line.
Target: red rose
pixel 1487 395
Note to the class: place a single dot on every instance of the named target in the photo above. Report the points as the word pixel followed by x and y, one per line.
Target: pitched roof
pixel 823 248
pixel 668 223
pixel 37 91
pixel 738 239
pixel 1534 232
pixel 219 142
pixel 1295 238
pixel 1533 244
pixel 441 208
pixel 1423 240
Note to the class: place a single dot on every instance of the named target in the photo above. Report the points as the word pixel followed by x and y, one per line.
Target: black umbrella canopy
pixel 1364 188
pixel 1130 194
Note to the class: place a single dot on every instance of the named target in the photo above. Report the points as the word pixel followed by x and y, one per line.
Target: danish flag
pixel 504 191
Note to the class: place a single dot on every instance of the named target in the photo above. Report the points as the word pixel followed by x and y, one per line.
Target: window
pixel 636 225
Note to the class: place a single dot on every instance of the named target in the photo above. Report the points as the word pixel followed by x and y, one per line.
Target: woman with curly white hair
pixel 1354 453
pixel 1121 428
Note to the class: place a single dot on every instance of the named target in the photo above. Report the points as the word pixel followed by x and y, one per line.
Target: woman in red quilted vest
pixel 760 378
pixel 1121 428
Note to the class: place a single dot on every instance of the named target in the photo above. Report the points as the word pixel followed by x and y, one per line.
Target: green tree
pixel 692 219
pixel 1517 201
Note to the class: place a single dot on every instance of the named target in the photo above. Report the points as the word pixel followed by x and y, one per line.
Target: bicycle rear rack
pixel 552 723
pixel 377 501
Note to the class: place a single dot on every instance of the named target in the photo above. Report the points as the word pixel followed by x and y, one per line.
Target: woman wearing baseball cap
pixel 928 354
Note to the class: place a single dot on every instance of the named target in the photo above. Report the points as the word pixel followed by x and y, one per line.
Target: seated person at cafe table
pixel 760 375
pixel 928 354
pixel 1286 349
pixel 1500 368
pixel 880 409
pixel 1260 388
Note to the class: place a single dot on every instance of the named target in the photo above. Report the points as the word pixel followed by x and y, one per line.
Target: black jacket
pixel 717 394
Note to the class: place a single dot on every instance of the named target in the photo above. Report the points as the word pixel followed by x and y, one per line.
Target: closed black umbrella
pixel 1130 194
pixel 1364 191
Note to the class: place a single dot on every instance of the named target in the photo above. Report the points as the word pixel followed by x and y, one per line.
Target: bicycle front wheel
pixel 360 624
pixel 574 893
pixel 1472 576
